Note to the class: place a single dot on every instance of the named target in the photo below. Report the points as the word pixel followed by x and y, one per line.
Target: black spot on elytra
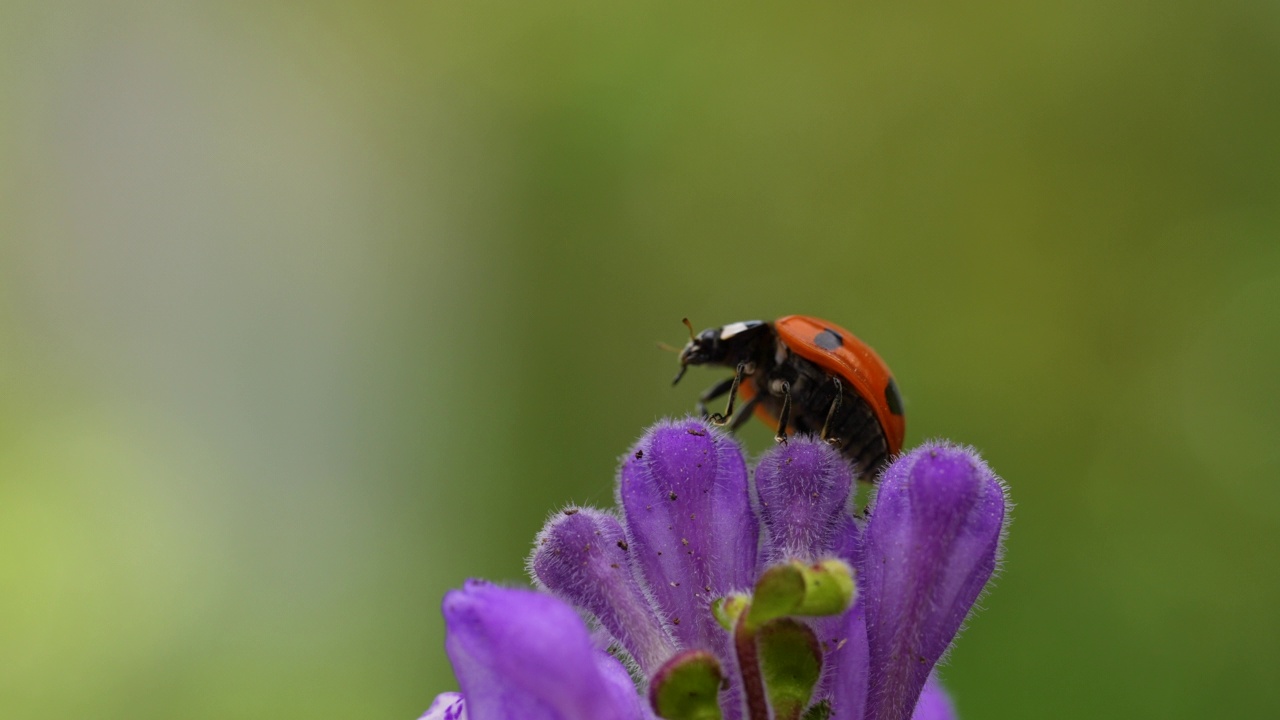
pixel 828 339
pixel 893 397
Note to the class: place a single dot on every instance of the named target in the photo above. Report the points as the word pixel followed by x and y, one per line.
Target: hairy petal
pixel 581 555
pixel 931 544
pixel 803 487
pixel 692 532
pixel 847 662
pixel 524 655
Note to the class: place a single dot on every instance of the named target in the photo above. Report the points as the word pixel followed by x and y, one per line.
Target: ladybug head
pixel 728 345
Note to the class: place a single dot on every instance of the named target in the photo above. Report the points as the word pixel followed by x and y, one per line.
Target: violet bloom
pixel 703 599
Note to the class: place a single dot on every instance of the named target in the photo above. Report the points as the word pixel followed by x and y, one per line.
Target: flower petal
pixel 581 555
pixel 934 703
pixel 931 544
pixel 803 488
pixel 621 690
pixel 692 533
pixel 844 684
pixel 524 655
pixel 447 706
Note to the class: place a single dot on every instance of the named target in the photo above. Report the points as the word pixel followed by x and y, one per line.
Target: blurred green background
pixel 309 311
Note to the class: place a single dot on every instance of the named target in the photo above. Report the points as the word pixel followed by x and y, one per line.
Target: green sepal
pixel 687 687
pixel 729 608
pixel 796 588
pixel 821 711
pixel 791 662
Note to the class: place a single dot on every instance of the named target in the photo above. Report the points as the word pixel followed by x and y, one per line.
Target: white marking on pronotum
pixel 732 329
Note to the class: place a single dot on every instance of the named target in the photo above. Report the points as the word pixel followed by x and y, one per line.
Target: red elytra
pixel 804 374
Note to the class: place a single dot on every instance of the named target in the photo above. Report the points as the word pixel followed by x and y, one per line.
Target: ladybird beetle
pixel 808 375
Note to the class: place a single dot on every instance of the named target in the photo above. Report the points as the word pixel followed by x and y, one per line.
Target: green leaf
pixel 727 609
pixel 791 662
pixel 687 687
pixel 796 588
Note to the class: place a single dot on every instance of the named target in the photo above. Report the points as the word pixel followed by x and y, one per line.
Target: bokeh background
pixel 309 311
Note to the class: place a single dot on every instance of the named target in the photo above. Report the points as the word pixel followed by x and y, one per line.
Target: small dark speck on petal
pixel 921 659
pixel 622 544
pixel 639 454
pixel 697 432
pixel 693 516
pixel 571 511
pixel 706 588
pixel 675 584
pixel 684 541
pixel 672 496
pixel 613 565
pixel 659 552
pixel 675 621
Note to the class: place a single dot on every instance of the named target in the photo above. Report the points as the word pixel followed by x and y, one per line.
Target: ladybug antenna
pixel 683 365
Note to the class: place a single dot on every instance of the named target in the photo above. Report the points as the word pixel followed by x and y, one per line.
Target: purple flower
pixel 699 598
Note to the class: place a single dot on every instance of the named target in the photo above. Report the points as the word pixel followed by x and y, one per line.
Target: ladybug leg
pixel 712 393
pixel 835 405
pixel 719 419
pixel 785 415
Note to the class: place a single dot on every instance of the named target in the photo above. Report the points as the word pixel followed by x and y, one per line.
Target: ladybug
pixel 805 375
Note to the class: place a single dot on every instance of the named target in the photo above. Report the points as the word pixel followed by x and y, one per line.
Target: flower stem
pixel 744 642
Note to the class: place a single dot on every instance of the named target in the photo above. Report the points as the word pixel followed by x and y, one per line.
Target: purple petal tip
pixel 583 556
pixel 519 653
pixel 684 493
pixel 931 545
pixel 804 489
